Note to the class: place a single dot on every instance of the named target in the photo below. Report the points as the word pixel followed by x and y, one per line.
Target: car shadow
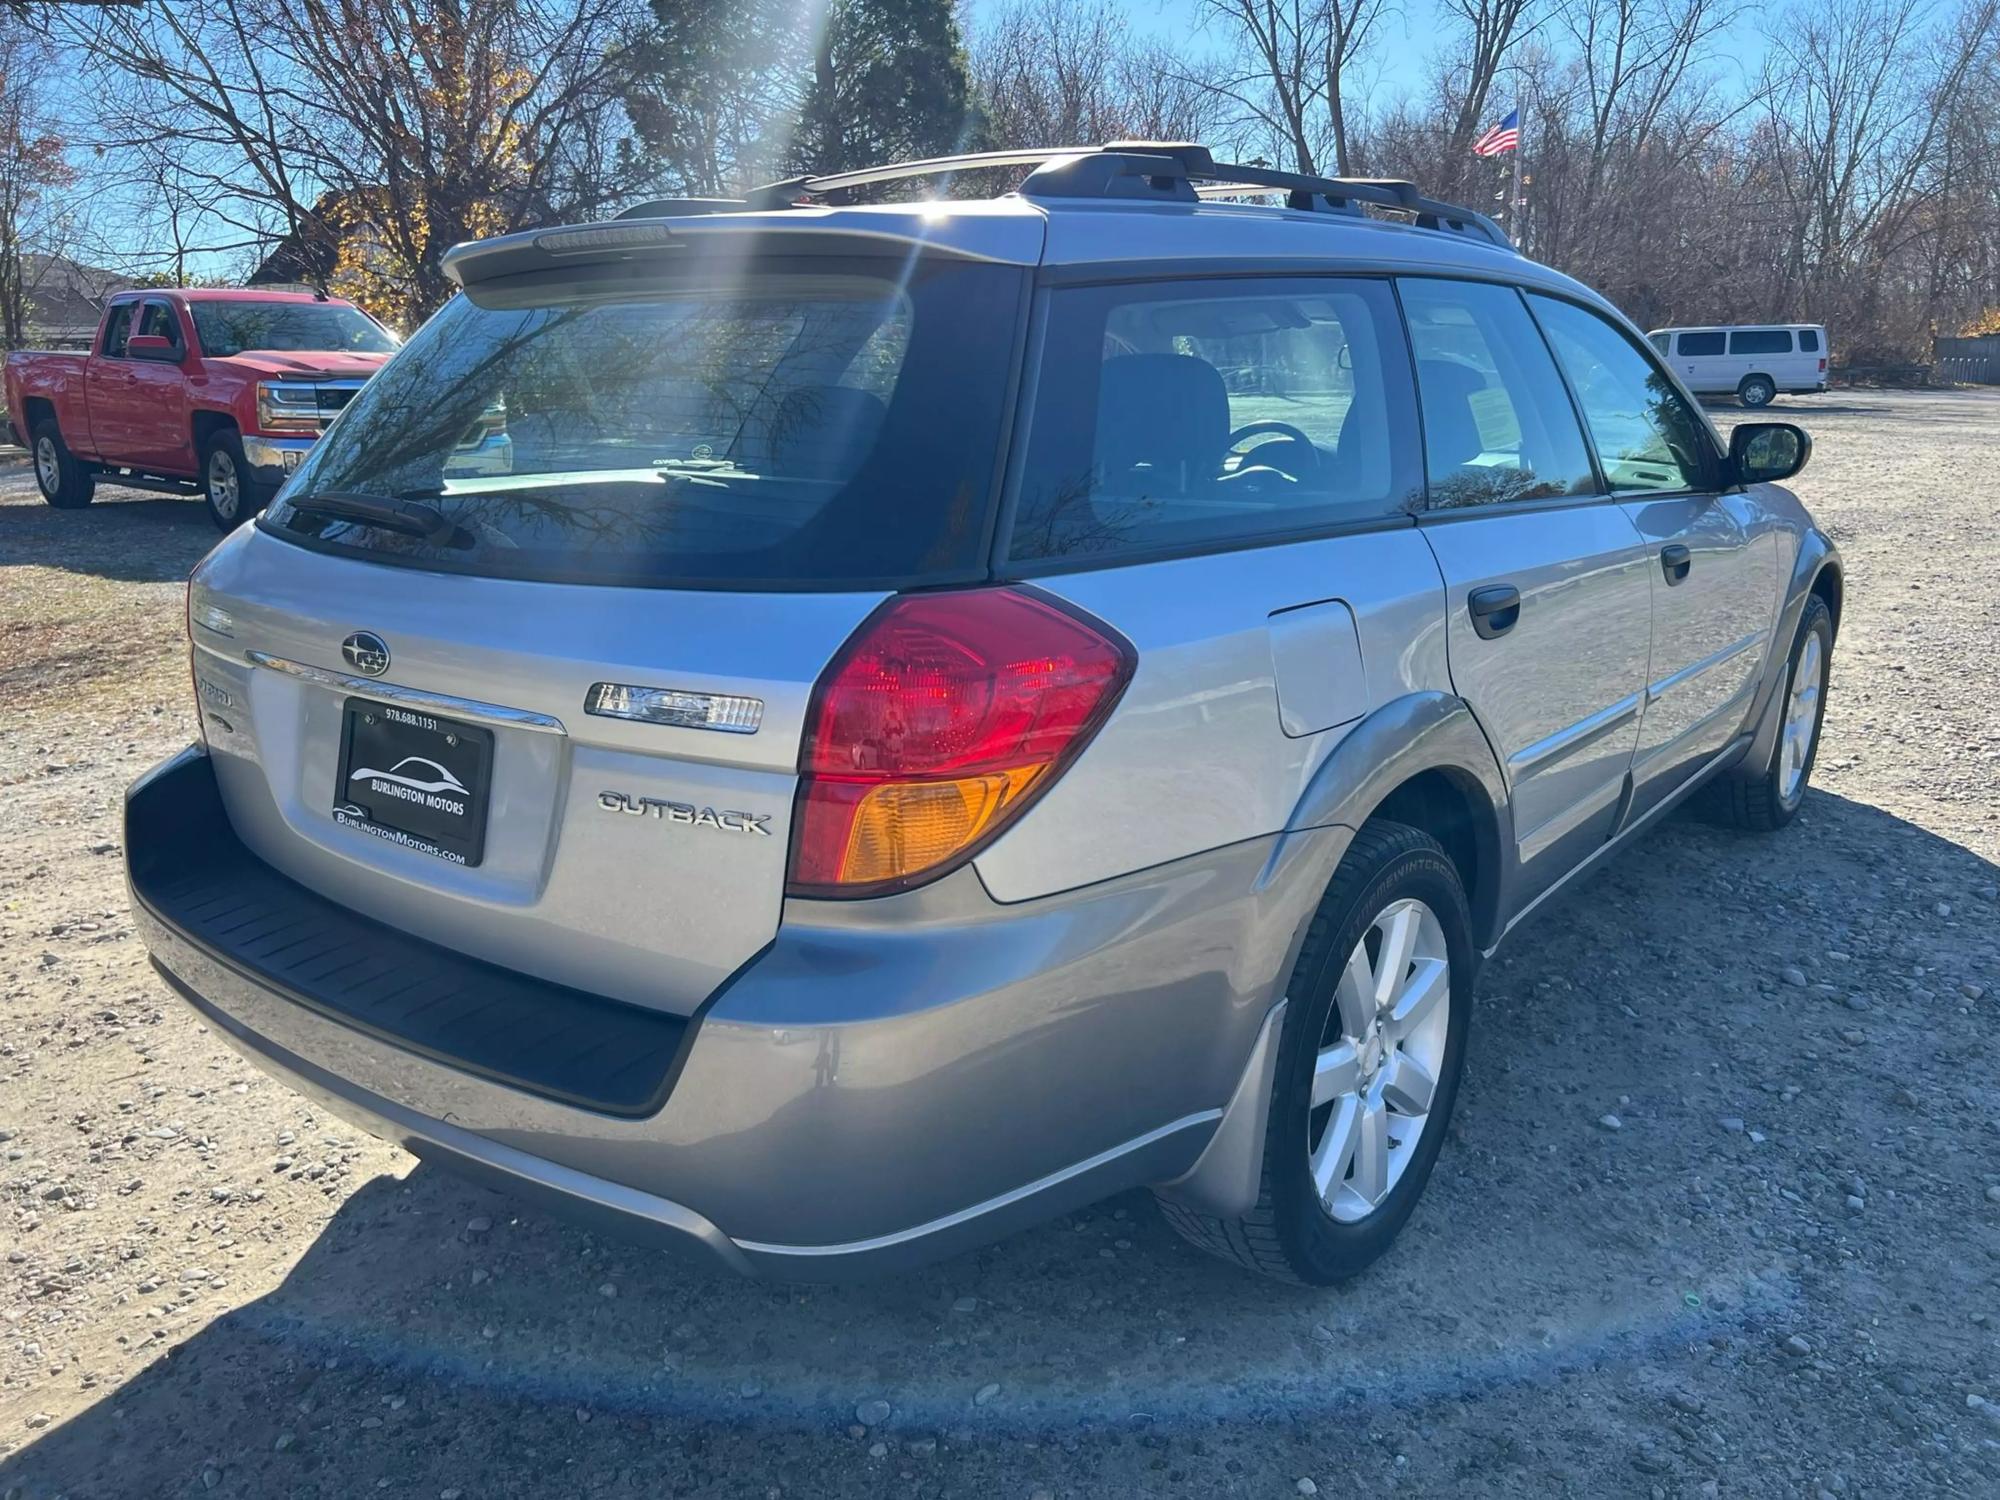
pixel 128 535
pixel 436 1336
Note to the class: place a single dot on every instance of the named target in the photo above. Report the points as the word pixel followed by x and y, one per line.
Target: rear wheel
pixel 225 481
pixel 64 483
pixel 1757 390
pixel 1368 1066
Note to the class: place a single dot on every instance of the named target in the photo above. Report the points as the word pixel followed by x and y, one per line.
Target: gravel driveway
pixel 1720 1212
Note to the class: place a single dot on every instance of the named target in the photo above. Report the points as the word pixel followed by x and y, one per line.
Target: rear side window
pixel 1498 423
pixel 1760 341
pixel 1809 341
pixel 119 329
pixel 1646 437
pixel 808 423
pixel 1699 344
pixel 1184 414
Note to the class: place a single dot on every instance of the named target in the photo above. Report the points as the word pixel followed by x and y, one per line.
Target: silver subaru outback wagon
pixel 823 734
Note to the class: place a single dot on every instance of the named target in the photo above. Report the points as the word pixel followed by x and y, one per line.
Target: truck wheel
pixel 1368 1066
pixel 65 483
pixel 225 481
pixel 1756 390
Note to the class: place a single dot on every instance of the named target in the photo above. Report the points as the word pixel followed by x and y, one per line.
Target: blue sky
pixel 1405 44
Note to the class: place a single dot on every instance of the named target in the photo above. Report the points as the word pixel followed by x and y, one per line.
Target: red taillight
pixel 943 718
pixel 194 677
pixel 1822 364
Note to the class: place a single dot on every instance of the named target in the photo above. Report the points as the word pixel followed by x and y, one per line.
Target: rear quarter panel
pixel 1197 754
pixel 58 378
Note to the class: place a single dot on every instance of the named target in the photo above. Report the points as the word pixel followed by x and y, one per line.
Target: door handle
pixel 1675 561
pixel 1495 610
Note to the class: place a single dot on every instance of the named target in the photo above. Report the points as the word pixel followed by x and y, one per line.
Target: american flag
pixel 1506 136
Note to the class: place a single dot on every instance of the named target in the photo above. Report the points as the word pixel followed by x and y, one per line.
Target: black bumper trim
pixel 193 875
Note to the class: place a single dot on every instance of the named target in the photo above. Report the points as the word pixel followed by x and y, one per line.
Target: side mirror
pixel 1765 452
pixel 152 346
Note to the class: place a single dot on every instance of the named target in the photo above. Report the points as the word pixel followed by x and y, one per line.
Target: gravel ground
pixel 1720 1214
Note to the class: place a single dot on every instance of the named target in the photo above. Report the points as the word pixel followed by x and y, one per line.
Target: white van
pixel 1753 362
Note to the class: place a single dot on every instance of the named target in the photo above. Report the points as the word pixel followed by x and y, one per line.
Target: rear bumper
pixel 887 1082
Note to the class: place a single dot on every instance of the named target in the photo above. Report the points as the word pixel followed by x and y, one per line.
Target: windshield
pixel 227 328
pixel 814 424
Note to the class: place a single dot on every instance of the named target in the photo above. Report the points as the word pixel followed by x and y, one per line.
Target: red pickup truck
pixel 216 392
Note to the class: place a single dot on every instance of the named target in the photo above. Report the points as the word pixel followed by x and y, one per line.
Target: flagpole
pixel 1517 221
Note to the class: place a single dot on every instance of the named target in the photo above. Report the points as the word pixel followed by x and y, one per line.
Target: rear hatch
pixel 520 659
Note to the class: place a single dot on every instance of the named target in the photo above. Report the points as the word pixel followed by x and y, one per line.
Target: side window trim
pixel 1710 481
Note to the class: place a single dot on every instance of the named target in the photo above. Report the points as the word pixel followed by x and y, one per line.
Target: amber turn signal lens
pixel 911 825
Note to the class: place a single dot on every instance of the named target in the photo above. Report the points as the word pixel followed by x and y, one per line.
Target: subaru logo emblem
pixel 366 652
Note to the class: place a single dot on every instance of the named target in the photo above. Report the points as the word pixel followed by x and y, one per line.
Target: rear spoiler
pixel 972 231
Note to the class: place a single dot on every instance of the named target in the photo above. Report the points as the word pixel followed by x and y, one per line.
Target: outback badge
pixel 685 813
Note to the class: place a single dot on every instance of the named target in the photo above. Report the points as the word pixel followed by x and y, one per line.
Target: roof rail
pixel 1159 171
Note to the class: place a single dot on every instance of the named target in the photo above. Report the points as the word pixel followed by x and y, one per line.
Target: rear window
pixel 1761 341
pixel 1701 343
pixel 808 423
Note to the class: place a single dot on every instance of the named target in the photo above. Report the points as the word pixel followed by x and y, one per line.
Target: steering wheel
pixel 1292 468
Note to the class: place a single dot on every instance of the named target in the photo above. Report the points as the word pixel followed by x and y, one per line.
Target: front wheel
pixel 225 481
pixel 1757 390
pixel 1768 797
pixel 64 483
pixel 1368 1066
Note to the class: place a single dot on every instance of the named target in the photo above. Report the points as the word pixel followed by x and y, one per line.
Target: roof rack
pixel 1157 171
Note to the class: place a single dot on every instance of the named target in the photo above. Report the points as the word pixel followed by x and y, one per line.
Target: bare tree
pixel 1050 73
pixel 1279 46
pixel 385 129
pixel 1492 30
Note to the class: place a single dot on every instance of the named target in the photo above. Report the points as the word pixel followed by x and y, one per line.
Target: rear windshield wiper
pixel 405 516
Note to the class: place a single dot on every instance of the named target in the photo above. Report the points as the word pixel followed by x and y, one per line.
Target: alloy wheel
pixel 225 490
pixel 1801 718
pixel 1379 1060
pixel 48 464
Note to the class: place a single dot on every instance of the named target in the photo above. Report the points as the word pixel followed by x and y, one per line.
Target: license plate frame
pixel 436 806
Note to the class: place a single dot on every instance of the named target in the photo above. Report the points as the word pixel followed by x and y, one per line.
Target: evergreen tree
pixel 889 82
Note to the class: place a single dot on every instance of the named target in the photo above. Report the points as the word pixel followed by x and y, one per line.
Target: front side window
pixel 813 423
pixel 1760 341
pixel 229 327
pixel 1698 345
pixel 1646 437
pixel 1498 425
pixel 157 320
pixel 118 330
pixel 1186 414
